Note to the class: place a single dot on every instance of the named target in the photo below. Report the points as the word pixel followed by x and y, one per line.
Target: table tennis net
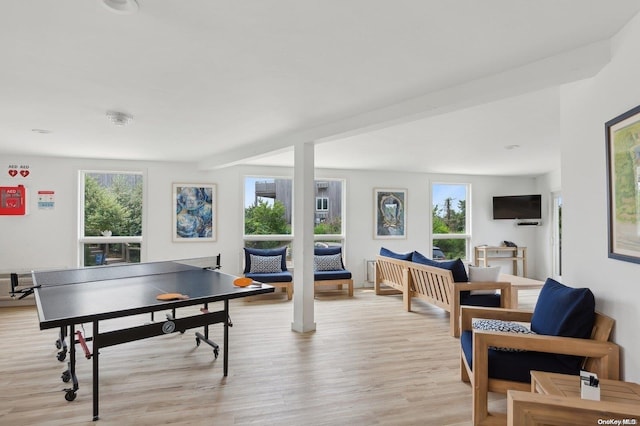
pixel 122 270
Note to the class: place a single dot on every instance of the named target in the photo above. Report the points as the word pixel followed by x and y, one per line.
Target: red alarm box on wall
pixel 13 200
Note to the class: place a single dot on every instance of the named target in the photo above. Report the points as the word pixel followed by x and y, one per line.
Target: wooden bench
pixel 431 284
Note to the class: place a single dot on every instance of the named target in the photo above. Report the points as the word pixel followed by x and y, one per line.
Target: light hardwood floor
pixel 368 363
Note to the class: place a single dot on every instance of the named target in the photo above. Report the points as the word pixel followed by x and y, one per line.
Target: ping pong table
pixel 69 298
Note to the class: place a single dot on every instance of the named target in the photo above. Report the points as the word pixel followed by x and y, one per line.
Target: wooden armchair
pixel 269 266
pixel 480 364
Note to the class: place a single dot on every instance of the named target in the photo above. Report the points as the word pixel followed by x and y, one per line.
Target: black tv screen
pixel 517 207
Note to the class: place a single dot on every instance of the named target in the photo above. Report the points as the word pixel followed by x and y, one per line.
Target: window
pixel 111 217
pixel 268 210
pixel 451 233
pixel 322 204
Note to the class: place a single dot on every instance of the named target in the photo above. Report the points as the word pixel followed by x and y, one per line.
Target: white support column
pixel 303 209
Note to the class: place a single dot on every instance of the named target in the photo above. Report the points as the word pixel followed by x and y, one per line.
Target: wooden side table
pixel 483 255
pixel 555 400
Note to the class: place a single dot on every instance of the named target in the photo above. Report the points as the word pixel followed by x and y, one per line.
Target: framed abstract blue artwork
pixel 194 212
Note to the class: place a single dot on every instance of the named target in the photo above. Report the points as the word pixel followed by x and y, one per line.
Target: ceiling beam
pixel 574 65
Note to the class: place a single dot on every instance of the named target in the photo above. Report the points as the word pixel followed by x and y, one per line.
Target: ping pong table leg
pixel 96 351
pixel 227 324
pixel 70 393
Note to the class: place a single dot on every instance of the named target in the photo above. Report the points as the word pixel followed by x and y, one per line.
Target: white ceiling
pixel 435 86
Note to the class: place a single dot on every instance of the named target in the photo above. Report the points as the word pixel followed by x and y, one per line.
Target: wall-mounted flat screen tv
pixel 517 207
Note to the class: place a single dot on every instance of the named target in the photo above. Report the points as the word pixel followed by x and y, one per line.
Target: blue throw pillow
pixel 455 266
pixel 264 252
pixel 399 256
pixel 564 311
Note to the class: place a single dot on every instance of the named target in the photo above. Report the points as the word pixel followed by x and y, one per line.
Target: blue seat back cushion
pixel 516 366
pixel 322 251
pixel 394 255
pixel 264 252
pixel 564 311
pixel 455 266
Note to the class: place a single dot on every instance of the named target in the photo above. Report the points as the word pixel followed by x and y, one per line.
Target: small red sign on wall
pixel 13 200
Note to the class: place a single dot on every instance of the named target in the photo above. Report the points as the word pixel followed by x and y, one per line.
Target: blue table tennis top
pixel 75 296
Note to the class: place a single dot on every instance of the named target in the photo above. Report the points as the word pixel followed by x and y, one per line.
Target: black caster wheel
pixel 197 341
pixel 58 344
pixel 66 376
pixel 216 352
pixel 61 356
pixel 70 395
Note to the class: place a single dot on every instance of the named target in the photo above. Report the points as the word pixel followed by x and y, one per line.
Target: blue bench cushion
pixel 516 366
pixel 331 275
pixel 277 277
pixel 487 300
pixel 264 252
pixel 400 256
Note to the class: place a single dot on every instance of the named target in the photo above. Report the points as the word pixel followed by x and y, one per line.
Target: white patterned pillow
pixel 265 264
pixel 327 262
pixel 504 326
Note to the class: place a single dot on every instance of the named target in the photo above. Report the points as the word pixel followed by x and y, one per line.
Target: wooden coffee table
pixel 569 386
pixel 555 400
pixel 520 283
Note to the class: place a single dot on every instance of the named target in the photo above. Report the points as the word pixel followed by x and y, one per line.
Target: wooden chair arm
pixel 470 312
pixel 608 351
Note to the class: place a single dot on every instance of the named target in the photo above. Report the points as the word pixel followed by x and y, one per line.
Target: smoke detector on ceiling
pixel 122 7
pixel 119 118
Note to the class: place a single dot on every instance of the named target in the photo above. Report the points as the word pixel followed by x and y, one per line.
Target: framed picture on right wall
pixel 623 177
pixel 390 213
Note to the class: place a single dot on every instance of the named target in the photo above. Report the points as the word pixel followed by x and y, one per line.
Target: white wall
pixel 48 238
pixel 586 106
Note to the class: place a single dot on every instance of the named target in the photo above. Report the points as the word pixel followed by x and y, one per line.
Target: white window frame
pixel 463 236
pixel 82 239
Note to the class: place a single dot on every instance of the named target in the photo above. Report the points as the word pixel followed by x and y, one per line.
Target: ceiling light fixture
pixel 119 118
pixel 122 7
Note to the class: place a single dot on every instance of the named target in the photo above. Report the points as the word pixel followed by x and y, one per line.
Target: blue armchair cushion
pixel 276 277
pixel 331 275
pixel 282 252
pixel 394 255
pixel 265 264
pixel 327 262
pixel 564 311
pixel 517 366
pixel 455 266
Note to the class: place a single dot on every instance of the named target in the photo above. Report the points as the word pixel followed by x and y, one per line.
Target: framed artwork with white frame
pixel 194 212
pixel 390 213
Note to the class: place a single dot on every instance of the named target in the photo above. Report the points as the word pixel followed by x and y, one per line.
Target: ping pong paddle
pixel 171 296
pixel 242 281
